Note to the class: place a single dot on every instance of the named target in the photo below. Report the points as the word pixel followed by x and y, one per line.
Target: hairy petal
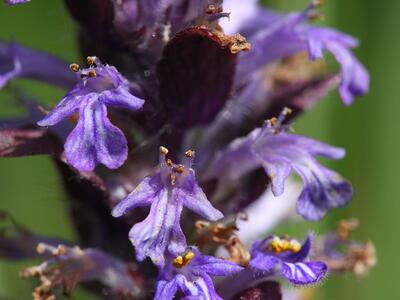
pixel 304 273
pixel 166 290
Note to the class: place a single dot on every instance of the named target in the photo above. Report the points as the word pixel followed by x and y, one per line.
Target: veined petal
pixel 121 97
pixel 216 266
pixel 95 140
pixel 289 35
pixel 111 144
pixel 166 290
pixel 142 195
pixel 323 190
pixel 201 287
pixel 159 230
pixel 69 105
pixel 354 77
pixel 303 273
pixel 193 197
pixel 263 262
pixel 278 169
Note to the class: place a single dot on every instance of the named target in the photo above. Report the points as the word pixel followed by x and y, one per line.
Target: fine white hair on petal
pixel 240 12
pixel 268 211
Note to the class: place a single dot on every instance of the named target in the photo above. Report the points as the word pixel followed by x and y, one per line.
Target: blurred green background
pixel 31 191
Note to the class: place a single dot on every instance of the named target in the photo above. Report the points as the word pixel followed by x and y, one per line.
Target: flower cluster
pixel 201 75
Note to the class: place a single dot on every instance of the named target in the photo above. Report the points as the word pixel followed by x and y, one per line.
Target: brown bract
pixel 196 75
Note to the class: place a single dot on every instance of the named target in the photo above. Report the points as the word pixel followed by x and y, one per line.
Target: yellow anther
pixel 74 68
pixel 189 153
pixel 92 73
pixel 295 246
pixel 182 261
pixel 279 245
pixel 90 60
pixel 178 262
pixel 188 257
pixel 163 150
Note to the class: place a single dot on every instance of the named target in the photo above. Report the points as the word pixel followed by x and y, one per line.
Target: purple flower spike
pixel 287 35
pixel 14 2
pixel 190 273
pixel 95 140
pixel 167 191
pixel 287 256
pixel 280 153
pixel 20 62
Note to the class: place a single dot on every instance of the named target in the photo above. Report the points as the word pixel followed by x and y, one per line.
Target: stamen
pixel 345 227
pixel 90 60
pixel 173 179
pixel 92 73
pixel 211 9
pixel 189 153
pixel 182 261
pixel 74 68
pixel 178 262
pixel 279 245
pixel 163 150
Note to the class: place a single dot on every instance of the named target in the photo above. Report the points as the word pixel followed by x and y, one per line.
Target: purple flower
pixel 287 256
pixel 95 140
pixel 14 2
pixel 190 273
pixel 280 153
pixel 274 36
pixel 167 191
pixel 17 61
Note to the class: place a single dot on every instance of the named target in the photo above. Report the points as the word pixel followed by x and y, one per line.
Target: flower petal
pixel 95 140
pixel 304 273
pixel 278 169
pixel 193 197
pixel 121 97
pixel 18 61
pixel 142 195
pixel 159 230
pixel 215 266
pixel 69 105
pixel 289 35
pixel 166 290
pixel 263 262
pixel 323 190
